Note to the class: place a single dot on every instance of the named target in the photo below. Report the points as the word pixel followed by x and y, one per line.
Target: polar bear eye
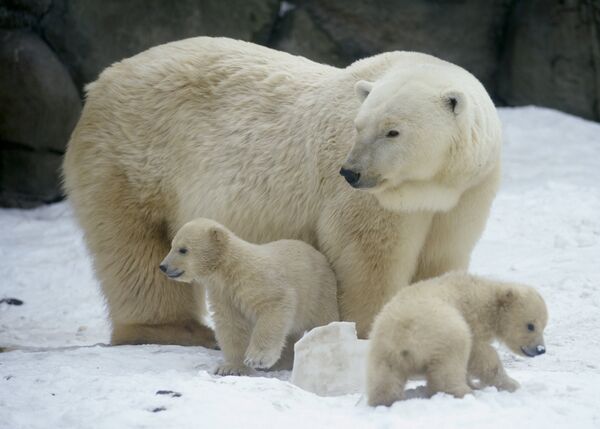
pixel 392 133
pixel 530 327
pixel 182 250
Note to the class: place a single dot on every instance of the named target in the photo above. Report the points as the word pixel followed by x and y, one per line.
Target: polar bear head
pixel 423 136
pixel 522 319
pixel 196 250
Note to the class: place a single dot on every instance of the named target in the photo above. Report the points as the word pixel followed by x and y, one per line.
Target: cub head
pixel 523 318
pixel 416 144
pixel 196 250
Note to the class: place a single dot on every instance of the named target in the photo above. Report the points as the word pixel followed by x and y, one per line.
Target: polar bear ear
pixel 218 235
pixel 456 101
pixel 362 88
pixel 506 298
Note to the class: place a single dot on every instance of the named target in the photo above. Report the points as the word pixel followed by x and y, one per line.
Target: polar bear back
pixel 168 114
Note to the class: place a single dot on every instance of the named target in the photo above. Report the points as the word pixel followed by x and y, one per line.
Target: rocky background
pixel 544 52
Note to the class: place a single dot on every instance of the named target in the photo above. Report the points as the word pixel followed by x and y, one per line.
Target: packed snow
pixel 544 229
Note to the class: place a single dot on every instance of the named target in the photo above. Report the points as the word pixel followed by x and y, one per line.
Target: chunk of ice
pixel 330 360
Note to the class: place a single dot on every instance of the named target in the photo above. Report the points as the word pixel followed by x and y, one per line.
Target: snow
pixel 544 230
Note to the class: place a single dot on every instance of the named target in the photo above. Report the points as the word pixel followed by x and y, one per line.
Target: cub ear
pixel 506 298
pixel 217 235
pixel 455 100
pixel 362 88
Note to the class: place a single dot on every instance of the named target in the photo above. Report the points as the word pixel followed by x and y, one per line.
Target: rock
pixel 39 106
pixel 11 301
pixel 29 178
pixel 552 56
pixel 330 360
pixel 22 13
pixel 467 33
pixel 297 33
pixel 35 7
pixel 90 35
pixel 39 103
pixel 171 393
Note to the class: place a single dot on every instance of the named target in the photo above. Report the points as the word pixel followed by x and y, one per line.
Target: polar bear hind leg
pixel 144 306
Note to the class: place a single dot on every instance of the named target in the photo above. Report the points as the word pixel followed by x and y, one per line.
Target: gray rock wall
pixel 551 56
pixel 39 106
pixel 467 32
pixel 89 35
pixel 544 52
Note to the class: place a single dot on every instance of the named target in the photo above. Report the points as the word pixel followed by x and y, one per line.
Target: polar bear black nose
pixel 540 350
pixel 351 177
pixel 163 268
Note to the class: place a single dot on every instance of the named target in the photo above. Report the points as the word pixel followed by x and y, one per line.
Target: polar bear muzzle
pixel 352 177
pixel 170 271
pixel 535 350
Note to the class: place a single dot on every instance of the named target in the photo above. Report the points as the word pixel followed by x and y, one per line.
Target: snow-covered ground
pixel 544 229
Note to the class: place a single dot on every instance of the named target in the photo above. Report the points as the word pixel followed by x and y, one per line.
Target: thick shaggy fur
pixel 442 328
pixel 255 138
pixel 260 295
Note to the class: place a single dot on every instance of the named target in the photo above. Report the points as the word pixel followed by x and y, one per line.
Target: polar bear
pixel 256 139
pixel 442 328
pixel 260 295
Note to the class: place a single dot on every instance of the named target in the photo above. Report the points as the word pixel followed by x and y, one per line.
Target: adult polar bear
pixel 255 139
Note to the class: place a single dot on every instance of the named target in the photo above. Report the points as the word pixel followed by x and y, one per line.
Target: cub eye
pixel 530 327
pixel 392 133
pixel 182 250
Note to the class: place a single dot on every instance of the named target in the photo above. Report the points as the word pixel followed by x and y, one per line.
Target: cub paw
pixel 230 369
pixel 263 359
pixel 508 384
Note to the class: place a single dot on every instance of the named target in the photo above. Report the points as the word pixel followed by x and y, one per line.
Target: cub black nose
pixel 163 268
pixel 540 350
pixel 351 177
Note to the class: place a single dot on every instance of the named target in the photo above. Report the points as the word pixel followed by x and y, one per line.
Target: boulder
pixel 39 107
pixel 467 32
pixel 22 13
pixel 297 32
pixel 29 178
pixel 552 57
pixel 89 35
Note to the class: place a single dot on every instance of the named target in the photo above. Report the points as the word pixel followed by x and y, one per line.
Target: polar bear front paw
pixel 261 359
pixel 231 369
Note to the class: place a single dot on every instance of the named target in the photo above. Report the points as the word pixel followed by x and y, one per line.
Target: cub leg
pixel 447 372
pixel 233 334
pixel 268 337
pixel 448 377
pixel 485 364
pixel 385 381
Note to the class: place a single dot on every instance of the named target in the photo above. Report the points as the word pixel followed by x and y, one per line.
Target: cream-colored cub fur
pixel 442 328
pixel 260 294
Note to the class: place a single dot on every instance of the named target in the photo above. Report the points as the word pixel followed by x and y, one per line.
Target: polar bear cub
pixel 442 328
pixel 260 295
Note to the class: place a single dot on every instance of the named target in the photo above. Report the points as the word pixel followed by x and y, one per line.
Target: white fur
pixel 442 328
pixel 255 138
pixel 261 295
